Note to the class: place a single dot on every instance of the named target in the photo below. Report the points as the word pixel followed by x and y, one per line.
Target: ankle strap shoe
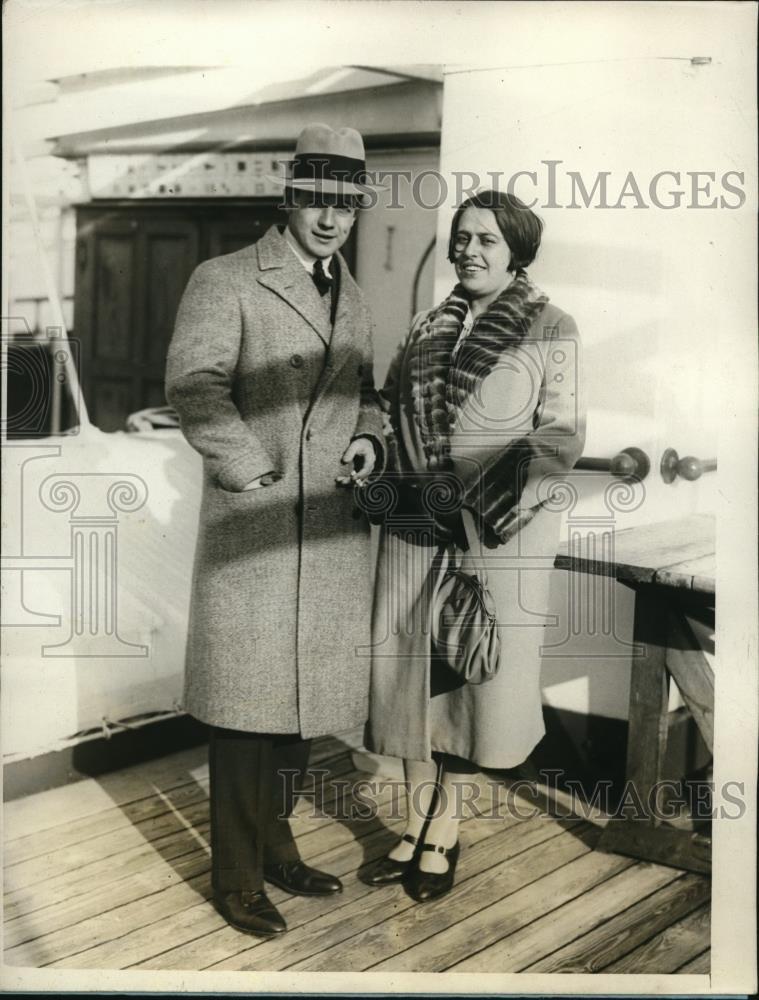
pixel 426 886
pixel 387 870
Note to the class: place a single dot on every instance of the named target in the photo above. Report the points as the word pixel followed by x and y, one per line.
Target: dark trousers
pixel 250 801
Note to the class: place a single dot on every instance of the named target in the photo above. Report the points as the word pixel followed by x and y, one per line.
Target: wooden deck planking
pixel 517 949
pixel 127 885
pixel 114 921
pixel 351 860
pixel 596 950
pixel 701 965
pixel 418 923
pixel 161 900
pixel 219 945
pixel 80 893
pixel 314 835
pixel 74 881
pixel 35 813
pixel 158 802
pixel 207 939
pixel 109 846
pixel 374 908
pixel 157 838
pixel 198 935
pixel 526 895
pixel 57 838
pixel 670 949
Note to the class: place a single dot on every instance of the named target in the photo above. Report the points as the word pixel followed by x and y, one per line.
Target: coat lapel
pixel 283 273
pixel 347 312
pixel 348 320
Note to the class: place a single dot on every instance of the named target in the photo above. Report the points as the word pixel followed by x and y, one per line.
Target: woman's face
pixel 481 254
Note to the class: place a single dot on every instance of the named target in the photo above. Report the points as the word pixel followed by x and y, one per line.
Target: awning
pixel 214 109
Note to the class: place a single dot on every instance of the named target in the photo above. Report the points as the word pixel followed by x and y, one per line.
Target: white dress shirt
pixel 466 329
pixel 304 256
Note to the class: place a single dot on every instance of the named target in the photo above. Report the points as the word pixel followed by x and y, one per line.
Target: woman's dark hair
pixel 520 227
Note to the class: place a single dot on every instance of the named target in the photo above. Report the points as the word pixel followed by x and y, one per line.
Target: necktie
pixel 322 281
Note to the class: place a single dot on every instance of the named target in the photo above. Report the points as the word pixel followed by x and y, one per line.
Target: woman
pixel 482 414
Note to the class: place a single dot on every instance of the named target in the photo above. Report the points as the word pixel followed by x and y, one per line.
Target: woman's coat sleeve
pixel 528 422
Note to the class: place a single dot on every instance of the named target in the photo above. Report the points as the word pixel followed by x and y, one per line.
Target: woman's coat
pixel 531 402
pixel 279 620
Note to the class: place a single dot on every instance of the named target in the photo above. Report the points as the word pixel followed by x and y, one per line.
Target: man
pixel 270 370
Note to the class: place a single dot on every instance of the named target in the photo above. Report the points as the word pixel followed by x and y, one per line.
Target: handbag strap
pixel 475 545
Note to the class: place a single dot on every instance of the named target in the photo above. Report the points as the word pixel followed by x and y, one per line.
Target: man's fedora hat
pixel 329 161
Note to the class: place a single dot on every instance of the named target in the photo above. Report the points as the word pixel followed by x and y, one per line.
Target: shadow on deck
pixel 114 873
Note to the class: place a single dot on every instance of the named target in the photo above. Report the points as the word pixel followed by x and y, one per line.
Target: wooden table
pixel 671 568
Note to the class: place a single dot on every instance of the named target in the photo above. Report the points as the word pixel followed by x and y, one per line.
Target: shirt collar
pixel 306 259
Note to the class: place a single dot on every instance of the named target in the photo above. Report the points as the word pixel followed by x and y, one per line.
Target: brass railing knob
pixel 630 463
pixel 689 467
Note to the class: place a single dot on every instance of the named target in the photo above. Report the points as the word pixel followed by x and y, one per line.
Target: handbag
pixel 464 632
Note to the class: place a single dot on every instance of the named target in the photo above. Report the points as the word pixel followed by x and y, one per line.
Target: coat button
pixel 310 434
pixel 296 360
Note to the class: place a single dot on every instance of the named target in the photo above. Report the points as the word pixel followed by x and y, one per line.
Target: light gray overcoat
pixel 535 395
pixel 281 598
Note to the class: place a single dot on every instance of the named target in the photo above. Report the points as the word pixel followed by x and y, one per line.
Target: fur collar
pixel 440 386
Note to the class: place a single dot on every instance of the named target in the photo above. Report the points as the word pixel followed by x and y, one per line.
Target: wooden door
pixel 167 255
pixel 132 268
pixel 133 263
pixel 224 234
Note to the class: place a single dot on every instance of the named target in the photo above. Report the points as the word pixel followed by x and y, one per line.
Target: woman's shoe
pixel 387 870
pixel 425 886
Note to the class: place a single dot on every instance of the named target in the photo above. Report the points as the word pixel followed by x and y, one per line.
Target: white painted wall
pixel 392 243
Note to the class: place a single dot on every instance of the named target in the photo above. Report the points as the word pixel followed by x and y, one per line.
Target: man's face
pixel 321 223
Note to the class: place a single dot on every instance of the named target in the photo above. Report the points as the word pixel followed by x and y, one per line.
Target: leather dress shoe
pixel 387 871
pixel 300 880
pixel 426 886
pixel 251 912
